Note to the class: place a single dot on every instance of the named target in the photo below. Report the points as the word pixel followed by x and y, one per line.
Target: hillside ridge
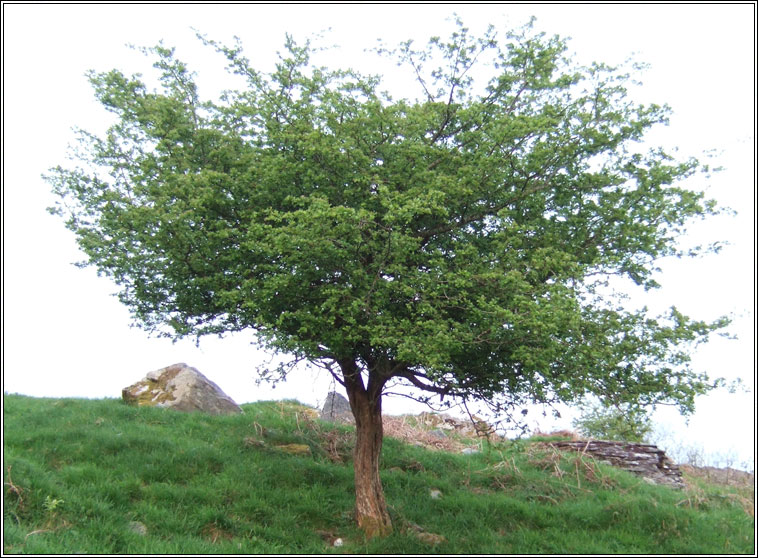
pixel 98 476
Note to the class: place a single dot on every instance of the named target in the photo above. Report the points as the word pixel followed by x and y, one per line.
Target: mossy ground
pixel 78 473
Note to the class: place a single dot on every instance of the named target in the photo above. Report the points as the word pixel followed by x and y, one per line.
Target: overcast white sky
pixel 65 335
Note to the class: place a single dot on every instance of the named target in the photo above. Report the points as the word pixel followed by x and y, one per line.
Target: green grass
pixel 78 472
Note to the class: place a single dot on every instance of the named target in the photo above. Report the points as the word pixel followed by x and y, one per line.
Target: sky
pixel 66 335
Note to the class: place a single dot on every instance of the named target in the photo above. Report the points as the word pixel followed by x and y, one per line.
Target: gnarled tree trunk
pixel 370 506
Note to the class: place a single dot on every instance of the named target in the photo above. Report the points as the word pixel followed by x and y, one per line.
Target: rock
pixel 295 449
pixel 469 451
pixel 413 465
pixel 437 433
pixel 337 409
pixel 180 387
pixel 645 460
pixel 250 442
pixel 435 494
pixel 430 538
pixel 330 538
pixel 137 527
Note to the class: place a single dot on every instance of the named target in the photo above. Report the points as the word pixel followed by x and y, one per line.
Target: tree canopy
pixel 459 241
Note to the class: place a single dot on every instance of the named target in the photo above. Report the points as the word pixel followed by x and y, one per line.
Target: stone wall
pixel 645 460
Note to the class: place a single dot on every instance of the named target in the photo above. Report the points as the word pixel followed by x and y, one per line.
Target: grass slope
pixel 83 476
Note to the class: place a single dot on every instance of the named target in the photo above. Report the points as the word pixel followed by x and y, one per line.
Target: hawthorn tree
pixel 458 242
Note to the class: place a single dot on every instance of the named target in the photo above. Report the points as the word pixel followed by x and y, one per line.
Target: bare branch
pixel 417 69
pixel 413 378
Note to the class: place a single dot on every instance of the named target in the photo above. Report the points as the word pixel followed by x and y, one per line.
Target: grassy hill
pixel 97 476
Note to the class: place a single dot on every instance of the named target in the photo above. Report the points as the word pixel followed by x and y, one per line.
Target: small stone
pixel 295 449
pixel 416 527
pixel 469 451
pixel 413 465
pixel 250 442
pixel 138 527
pixel 435 494
pixel 338 542
pixel 430 538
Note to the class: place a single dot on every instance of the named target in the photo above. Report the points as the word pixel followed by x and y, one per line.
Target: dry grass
pixel 570 434
pixel 407 429
pixel 214 533
pixel 575 465
pixel 737 486
pixel 15 490
pixel 725 477
pixel 336 444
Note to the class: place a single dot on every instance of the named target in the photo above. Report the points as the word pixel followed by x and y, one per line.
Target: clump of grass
pixel 80 474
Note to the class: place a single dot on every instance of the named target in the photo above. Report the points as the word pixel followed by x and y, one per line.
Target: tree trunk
pixel 370 506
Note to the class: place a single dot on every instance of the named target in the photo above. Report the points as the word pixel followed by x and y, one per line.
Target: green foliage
pixel 108 465
pixel 459 241
pixel 623 423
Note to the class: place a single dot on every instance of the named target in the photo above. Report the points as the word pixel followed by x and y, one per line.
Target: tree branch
pixel 417 69
pixel 413 378
pixel 427 235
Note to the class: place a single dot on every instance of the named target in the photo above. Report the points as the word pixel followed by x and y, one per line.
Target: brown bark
pixel 366 403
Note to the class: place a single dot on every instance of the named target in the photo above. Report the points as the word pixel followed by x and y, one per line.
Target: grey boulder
pixel 180 387
pixel 336 409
